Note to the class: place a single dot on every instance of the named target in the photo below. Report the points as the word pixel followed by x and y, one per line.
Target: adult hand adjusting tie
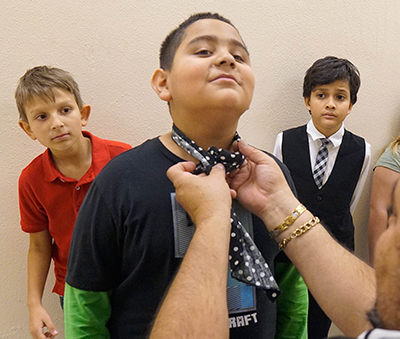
pixel 246 261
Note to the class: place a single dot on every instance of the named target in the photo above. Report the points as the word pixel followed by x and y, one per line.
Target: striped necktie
pixel 320 162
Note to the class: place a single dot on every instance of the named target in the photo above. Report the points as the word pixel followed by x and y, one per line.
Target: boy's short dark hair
pixel 329 69
pixel 174 39
pixel 40 82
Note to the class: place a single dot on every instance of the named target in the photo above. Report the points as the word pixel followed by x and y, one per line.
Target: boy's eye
pixel 66 110
pixel 41 116
pixel 320 95
pixel 203 52
pixel 238 58
pixel 341 97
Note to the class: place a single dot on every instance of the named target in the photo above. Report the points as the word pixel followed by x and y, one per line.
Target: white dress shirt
pixel 314 142
pixel 378 333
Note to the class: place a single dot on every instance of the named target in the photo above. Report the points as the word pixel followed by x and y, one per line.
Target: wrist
pixel 214 234
pixel 299 232
pixel 289 220
pixel 34 302
pixel 211 215
pixel 301 220
pixel 275 215
pixel 219 219
pixel 33 306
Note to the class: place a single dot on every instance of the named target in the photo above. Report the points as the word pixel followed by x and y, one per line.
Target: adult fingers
pixel 176 171
pixel 252 153
pixel 218 170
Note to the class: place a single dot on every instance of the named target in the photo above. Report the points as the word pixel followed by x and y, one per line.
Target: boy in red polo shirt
pixel 52 187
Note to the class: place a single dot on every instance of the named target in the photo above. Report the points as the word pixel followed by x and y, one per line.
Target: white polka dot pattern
pixel 246 261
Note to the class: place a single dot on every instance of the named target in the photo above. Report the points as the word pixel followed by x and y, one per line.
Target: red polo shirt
pixel 49 200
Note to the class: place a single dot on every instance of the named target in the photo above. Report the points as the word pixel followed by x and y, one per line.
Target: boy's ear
pixel 27 129
pixel 85 112
pixel 307 102
pixel 159 84
pixel 350 108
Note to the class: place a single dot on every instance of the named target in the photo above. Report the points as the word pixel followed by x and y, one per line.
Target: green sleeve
pixel 86 314
pixel 292 304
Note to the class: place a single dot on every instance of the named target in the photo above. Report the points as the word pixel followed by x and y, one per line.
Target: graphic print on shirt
pixel 241 297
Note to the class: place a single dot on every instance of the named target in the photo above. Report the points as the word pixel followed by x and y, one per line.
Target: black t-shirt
pixel 126 240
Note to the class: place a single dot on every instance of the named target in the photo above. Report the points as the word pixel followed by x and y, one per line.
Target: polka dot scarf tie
pixel 246 261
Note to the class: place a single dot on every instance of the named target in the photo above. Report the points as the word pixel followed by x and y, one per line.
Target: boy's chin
pixel 232 111
pixel 232 104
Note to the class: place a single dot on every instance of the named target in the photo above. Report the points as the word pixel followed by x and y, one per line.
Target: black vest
pixel 331 203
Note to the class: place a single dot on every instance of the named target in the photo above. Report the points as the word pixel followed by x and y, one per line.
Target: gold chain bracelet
pixel 298 232
pixel 289 220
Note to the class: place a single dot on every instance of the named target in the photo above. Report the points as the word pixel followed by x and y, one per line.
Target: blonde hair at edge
pixel 394 145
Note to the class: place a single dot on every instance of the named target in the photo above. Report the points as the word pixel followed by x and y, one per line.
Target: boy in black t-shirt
pixel 130 234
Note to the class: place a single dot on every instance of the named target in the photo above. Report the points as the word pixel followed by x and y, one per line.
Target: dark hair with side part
pixel 40 82
pixel 329 69
pixel 174 39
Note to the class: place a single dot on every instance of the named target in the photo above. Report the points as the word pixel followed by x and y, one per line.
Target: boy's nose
pixel 330 103
pixel 56 123
pixel 224 57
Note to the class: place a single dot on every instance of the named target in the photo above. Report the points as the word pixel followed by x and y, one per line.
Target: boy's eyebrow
pixel 62 103
pixel 213 38
pixel 321 88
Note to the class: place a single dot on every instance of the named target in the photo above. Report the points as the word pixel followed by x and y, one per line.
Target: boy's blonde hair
pixel 40 82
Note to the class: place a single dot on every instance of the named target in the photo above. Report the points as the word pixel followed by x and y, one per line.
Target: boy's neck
pixel 75 162
pixel 220 138
pixel 215 131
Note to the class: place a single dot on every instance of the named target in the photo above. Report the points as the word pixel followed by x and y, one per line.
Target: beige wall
pixel 112 50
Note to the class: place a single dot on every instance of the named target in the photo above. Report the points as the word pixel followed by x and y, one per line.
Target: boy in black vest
pixel 328 164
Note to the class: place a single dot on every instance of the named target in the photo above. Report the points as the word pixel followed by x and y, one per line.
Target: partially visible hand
pixel 260 185
pixel 201 196
pixel 39 320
